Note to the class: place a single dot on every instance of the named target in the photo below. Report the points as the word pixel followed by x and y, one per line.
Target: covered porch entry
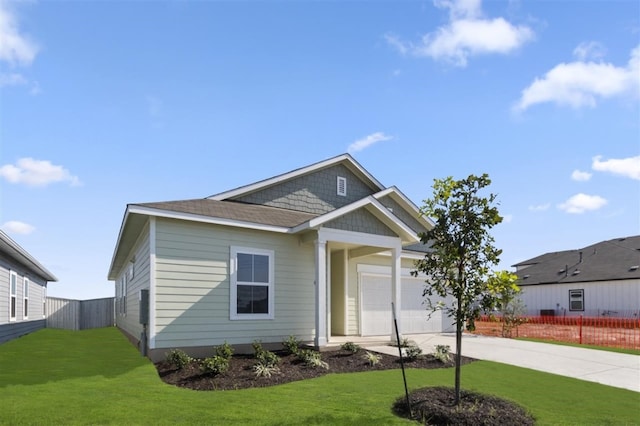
pixel 358 277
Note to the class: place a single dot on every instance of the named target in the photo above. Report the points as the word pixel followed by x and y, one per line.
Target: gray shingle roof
pixel 12 249
pixel 232 210
pixel 604 261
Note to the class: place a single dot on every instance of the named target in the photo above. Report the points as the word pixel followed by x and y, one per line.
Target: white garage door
pixel 376 307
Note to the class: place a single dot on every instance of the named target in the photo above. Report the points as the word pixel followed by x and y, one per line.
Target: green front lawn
pixel 97 377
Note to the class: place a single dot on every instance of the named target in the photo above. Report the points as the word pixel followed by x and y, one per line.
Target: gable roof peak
pixel 345 159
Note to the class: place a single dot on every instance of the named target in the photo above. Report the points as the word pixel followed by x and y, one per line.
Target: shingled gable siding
pixel 192 286
pixel 130 321
pixel 410 220
pixel 313 193
pixel 361 221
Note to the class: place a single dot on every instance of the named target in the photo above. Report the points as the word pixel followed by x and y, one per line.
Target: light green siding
pixel 192 286
pixel 129 320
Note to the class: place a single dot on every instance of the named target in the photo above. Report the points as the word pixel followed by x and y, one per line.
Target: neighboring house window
pixel 13 293
pixel 26 298
pixel 576 300
pixel 252 294
pixel 342 186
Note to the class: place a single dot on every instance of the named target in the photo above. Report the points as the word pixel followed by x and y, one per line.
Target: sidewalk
pixel 607 368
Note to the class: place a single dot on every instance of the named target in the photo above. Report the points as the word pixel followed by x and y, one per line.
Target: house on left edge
pixel 23 290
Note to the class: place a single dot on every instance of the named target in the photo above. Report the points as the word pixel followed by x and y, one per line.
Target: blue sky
pixel 108 103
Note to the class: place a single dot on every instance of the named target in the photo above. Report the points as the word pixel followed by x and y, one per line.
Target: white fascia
pixel 295 173
pixel 206 219
pixel 396 193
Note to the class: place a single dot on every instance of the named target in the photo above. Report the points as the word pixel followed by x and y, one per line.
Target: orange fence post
pixel 580 328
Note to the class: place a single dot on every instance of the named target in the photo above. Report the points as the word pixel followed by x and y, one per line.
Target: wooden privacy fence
pixel 597 331
pixel 80 314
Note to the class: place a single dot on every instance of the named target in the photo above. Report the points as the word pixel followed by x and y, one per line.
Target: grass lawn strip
pixel 97 377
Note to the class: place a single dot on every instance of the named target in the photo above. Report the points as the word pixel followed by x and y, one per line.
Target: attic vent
pixel 634 268
pixel 526 276
pixel 342 186
pixel 576 272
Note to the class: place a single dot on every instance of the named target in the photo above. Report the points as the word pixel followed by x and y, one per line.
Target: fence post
pixel 580 327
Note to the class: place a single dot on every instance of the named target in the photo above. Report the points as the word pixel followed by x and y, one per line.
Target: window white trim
pixel 13 295
pixel 576 300
pixel 44 301
pixel 233 283
pixel 25 298
pixel 341 186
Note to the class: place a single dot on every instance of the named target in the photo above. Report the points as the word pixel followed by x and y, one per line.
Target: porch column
pixel 396 293
pixel 321 293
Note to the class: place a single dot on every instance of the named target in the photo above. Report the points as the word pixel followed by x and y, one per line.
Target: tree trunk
pixel 459 327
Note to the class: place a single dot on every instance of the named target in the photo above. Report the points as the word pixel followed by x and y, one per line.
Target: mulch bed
pixel 241 376
pixel 434 406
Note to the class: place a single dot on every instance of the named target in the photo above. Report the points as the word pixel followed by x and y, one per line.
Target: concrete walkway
pixel 607 368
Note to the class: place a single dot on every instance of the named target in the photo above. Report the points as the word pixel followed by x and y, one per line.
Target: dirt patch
pixel 240 374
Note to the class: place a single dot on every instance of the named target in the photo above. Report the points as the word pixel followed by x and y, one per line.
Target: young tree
pixel 503 286
pixel 461 252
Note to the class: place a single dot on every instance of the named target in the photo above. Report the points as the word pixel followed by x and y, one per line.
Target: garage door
pixel 376 318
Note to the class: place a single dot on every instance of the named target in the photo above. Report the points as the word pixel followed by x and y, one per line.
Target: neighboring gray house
pixel 602 279
pixel 317 252
pixel 23 289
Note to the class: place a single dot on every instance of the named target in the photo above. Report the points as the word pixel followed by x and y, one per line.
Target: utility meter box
pixel 144 306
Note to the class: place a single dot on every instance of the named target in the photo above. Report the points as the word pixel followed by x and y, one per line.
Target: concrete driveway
pixel 607 368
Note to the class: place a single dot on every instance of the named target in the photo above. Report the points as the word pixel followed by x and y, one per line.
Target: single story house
pixel 23 290
pixel 602 279
pixel 318 252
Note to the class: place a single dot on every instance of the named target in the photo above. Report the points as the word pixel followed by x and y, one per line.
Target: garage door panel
pixel 376 307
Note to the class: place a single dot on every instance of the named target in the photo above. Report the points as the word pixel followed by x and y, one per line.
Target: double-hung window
pixel 25 295
pixel 252 287
pixel 13 294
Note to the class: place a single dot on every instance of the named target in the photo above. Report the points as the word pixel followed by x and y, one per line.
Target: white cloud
pixel 16 49
pixel 467 34
pixel 540 207
pixel 37 173
pixel 589 50
pixel 12 79
pixel 579 84
pixel 580 175
pixel 627 167
pixel 367 141
pixel 15 227
pixel 581 203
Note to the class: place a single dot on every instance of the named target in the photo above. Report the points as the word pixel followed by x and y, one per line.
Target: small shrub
pixel 404 342
pixel 216 364
pixel 412 351
pixel 178 358
pixel 312 358
pixel 262 370
pixel 291 344
pixel 350 347
pixel 371 358
pixel 257 347
pixel 268 358
pixel 225 351
pixel 441 353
